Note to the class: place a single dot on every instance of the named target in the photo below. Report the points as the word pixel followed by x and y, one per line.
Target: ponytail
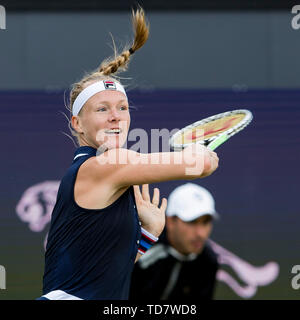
pixel 141 33
pixel 111 66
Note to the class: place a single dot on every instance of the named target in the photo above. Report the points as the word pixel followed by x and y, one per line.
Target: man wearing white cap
pixel 181 265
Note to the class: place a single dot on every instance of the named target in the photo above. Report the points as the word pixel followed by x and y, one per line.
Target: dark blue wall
pixel 256 187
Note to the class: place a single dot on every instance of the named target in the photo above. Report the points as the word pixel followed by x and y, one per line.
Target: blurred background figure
pixel 181 265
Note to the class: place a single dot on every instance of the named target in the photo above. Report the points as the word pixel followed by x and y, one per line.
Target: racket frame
pixel 215 141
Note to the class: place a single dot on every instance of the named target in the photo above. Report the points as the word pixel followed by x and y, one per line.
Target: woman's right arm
pixel 125 167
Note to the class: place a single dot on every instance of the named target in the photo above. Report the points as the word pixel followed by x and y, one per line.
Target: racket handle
pixel 217 142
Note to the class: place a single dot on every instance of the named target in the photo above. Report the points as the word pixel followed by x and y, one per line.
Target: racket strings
pixel 229 132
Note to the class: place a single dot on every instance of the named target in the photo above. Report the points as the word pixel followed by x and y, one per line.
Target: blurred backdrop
pixel 202 58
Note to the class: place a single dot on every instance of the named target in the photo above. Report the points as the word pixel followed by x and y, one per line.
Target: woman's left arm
pixel 151 215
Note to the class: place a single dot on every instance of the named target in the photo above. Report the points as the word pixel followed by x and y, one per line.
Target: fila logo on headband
pixel 109 85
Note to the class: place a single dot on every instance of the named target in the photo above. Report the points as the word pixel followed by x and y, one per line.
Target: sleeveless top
pixel 90 253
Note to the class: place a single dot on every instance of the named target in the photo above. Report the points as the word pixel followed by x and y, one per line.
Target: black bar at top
pixel 155 5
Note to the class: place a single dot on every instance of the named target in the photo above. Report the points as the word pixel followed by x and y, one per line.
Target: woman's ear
pixel 76 124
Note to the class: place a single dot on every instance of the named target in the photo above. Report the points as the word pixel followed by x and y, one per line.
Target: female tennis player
pixel 96 231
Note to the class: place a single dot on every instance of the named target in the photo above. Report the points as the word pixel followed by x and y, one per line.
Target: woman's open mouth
pixel 113 131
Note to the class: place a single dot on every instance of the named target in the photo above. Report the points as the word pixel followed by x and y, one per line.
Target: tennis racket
pixel 212 131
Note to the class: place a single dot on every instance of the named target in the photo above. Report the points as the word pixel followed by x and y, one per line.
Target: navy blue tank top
pixel 90 253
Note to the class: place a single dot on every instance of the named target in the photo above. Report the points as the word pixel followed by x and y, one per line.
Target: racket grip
pixel 217 142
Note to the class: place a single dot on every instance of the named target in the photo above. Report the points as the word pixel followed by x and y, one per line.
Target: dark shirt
pixel 90 253
pixel 165 274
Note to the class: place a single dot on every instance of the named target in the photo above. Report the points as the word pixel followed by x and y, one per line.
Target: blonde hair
pixel 115 64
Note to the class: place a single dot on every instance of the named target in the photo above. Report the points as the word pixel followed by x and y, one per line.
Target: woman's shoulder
pixel 107 165
pixel 95 187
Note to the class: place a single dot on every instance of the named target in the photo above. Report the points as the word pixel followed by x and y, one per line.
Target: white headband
pixel 94 88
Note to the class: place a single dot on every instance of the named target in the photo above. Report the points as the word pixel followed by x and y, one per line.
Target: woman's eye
pixel 123 108
pixel 101 109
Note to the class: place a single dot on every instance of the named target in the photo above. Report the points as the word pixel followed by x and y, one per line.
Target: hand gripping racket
pixel 212 131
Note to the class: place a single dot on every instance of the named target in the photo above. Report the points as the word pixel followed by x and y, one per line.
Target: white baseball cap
pixel 190 201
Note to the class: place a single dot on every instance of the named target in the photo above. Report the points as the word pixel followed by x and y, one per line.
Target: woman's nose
pixel 114 115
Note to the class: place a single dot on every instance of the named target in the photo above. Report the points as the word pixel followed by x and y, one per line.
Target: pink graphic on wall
pixel 252 276
pixel 36 205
